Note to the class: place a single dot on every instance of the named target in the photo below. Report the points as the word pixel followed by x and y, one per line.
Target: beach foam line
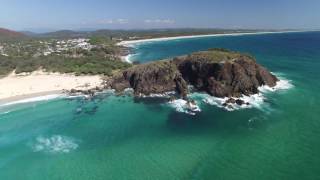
pixel 132 43
pixel 127 58
pixel 51 97
pixel 34 99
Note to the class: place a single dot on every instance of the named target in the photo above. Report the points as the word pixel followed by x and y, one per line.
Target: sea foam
pixel 252 101
pixel 163 95
pixel 54 144
pixel 184 106
pixel 283 84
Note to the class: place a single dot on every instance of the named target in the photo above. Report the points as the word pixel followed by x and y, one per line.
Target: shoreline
pixel 255 100
pixel 132 43
pixel 42 96
pixel 16 88
pixel 126 58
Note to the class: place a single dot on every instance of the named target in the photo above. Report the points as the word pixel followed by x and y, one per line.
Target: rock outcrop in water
pixel 220 73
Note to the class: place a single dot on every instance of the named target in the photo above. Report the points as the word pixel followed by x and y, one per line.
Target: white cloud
pixel 159 21
pixel 112 21
pixel 122 21
pixel 105 21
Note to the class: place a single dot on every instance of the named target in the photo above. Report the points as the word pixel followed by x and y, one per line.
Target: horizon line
pixel 49 30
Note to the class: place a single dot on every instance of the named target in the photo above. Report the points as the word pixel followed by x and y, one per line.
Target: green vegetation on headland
pixel 82 65
pixel 216 55
pixel 89 56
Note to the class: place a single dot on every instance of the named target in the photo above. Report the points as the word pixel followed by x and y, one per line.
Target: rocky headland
pixel 218 72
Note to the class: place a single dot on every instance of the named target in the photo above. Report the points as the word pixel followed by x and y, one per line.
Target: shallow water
pixel 112 137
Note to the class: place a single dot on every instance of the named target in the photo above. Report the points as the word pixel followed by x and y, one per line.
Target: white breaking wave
pixel 252 101
pixel 184 106
pixel 283 84
pixel 127 58
pixel 54 144
pixel 128 91
pixel 164 95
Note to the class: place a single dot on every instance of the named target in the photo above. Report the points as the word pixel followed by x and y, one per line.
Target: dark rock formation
pixel 231 101
pixel 89 92
pixel 158 77
pixel 124 51
pixel 220 73
pixel 240 102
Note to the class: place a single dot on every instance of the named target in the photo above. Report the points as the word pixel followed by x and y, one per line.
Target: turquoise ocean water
pixel 112 137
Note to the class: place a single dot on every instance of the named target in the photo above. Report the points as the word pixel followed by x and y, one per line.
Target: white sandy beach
pixel 133 42
pixel 39 83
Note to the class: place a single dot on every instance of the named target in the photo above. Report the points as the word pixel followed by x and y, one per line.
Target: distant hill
pixel 9 34
pixel 64 34
pixel 132 34
pixel 126 34
pixel 28 33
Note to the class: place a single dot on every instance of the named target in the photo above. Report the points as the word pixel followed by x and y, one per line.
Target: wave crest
pixel 283 84
pixel 184 106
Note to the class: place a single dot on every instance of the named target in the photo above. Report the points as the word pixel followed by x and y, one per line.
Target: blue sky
pixel 143 14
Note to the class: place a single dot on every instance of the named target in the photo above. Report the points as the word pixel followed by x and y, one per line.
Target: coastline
pixel 42 96
pixel 42 85
pixel 132 43
pixel 17 88
pixel 126 58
